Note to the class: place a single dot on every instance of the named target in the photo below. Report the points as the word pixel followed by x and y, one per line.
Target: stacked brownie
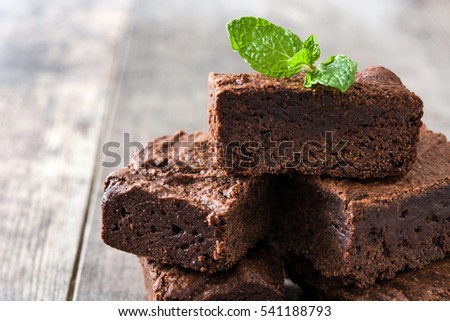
pixel 346 188
pixel 192 224
pixel 372 240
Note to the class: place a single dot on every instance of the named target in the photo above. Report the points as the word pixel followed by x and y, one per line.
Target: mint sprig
pixel 337 72
pixel 277 52
pixel 266 47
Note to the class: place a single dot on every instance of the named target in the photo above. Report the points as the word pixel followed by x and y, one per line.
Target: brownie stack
pixel 345 191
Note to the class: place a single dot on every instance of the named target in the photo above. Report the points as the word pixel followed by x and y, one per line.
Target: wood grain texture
pixel 174 45
pixel 55 61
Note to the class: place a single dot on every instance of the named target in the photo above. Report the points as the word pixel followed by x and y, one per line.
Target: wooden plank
pixel 55 61
pixel 175 44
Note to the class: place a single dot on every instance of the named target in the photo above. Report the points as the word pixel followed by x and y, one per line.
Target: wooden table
pixel 78 74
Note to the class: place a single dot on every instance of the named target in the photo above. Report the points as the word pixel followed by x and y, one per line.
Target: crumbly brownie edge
pixel 247 220
pixel 257 276
pixel 408 233
pixel 137 222
pixel 430 283
pixel 174 230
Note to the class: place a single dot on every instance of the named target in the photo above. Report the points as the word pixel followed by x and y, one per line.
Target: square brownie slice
pixel 173 206
pixel 264 125
pixel 366 230
pixel 257 276
pixel 431 283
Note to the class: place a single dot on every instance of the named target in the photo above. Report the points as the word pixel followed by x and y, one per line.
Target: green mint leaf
pixel 306 57
pixel 312 45
pixel 277 52
pixel 337 72
pixel 266 47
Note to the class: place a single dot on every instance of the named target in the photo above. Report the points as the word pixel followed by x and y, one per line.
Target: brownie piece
pixel 432 283
pixel 263 125
pixel 171 205
pixel 258 276
pixel 365 230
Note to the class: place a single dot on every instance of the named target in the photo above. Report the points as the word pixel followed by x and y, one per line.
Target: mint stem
pixel 308 68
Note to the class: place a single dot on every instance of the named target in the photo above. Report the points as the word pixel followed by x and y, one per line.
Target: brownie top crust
pixel 431 169
pixel 370 78
pixel 179 165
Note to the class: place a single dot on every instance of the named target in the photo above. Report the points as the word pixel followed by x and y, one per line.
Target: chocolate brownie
pixel 271 125
pixel 432 283
pixel 368 230
pixel 171 205
pixel 258 276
